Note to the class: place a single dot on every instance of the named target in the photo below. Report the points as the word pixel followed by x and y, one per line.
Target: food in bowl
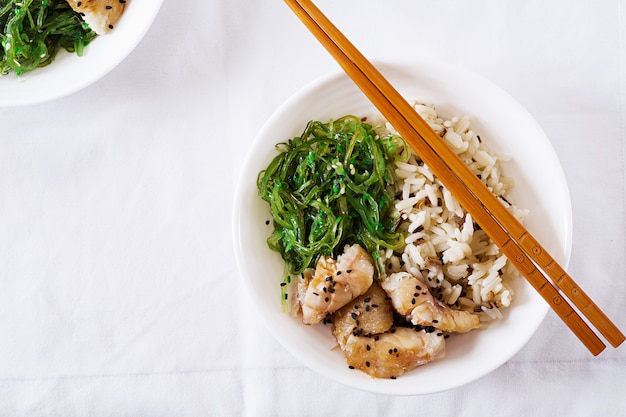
pixel 376 246
pixel 33 31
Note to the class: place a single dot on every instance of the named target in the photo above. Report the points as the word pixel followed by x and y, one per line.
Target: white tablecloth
pixel 119 295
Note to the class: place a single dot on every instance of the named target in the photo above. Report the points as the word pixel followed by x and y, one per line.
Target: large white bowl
pixel 504 126
pixel 69 73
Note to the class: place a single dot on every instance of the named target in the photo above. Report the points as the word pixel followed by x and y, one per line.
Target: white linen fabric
pixel 119 295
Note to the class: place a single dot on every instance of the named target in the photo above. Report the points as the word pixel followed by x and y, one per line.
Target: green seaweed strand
pixel 329 187
pixel 33 31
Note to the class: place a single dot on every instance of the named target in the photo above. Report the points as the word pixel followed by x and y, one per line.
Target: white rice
pixel 444 246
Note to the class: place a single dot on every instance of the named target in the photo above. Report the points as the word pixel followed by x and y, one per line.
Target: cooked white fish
pixel 367 315
pixel 100 15
pixel 412 299
pixel 369 341
pixel 393 353
pixel 336 283
pixel 295 290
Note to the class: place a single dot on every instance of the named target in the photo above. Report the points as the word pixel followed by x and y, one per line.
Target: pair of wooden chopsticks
pixel 520 247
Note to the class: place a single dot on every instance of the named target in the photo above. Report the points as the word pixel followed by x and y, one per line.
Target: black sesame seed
pixel 338 272
pixel 108 7
pixel 390 351
pixel 368 347
pixel 392 377
pixel 367 300
pixel 80 3
pixel 348 271
pixel 413 301
pixel 282 284
pixel 367 363
pixel 110 26
pixel 267 222
pixel 446 336
pixel 435 321
pixel 326 299
pixel 351 367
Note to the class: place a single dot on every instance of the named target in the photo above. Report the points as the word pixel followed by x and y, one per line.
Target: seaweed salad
pixel 33 31
pixel 329 187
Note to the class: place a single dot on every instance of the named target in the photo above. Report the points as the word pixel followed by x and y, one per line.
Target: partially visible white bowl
pixel 504 126
pixel 69 73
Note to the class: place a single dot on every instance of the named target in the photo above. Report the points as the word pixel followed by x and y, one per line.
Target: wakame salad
pixel 33 31
pixel 330 187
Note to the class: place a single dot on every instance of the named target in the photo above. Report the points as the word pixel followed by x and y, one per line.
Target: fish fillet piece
pixel 295 291
pixel 412 299
pixel 337 282
pixel 371 343
pixel 367 315
pixel 100 15
pixel 393 353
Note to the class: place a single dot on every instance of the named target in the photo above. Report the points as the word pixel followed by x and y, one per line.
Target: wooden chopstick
pixel 502 227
